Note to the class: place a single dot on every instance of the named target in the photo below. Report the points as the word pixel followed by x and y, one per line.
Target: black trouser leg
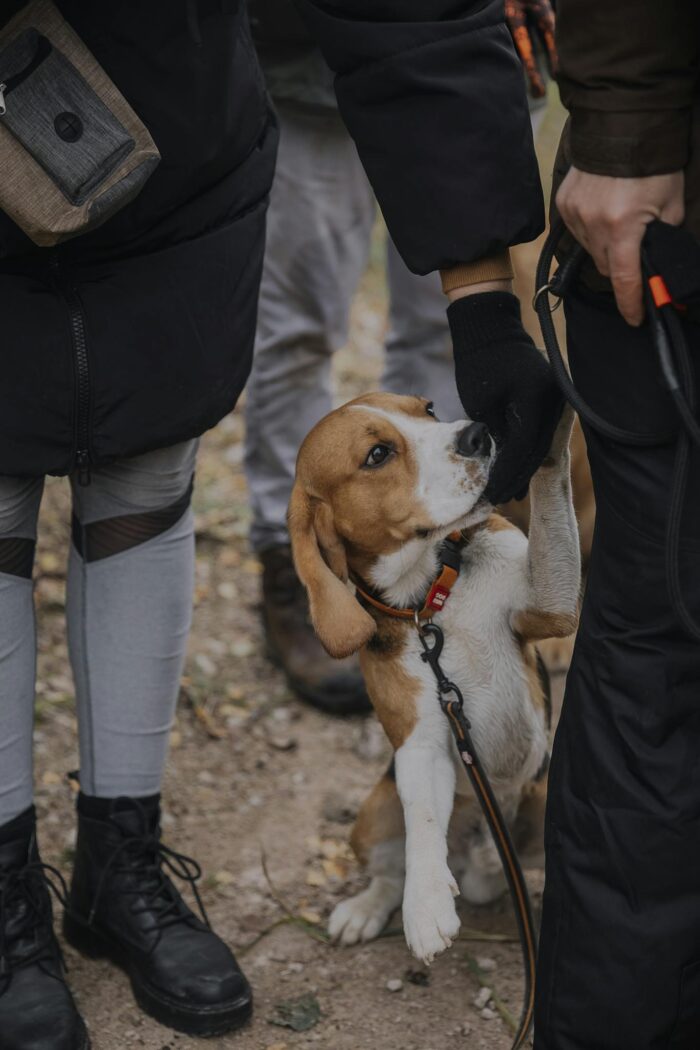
pixel 620 945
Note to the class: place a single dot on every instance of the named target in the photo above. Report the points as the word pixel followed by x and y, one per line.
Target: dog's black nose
pixel 474 440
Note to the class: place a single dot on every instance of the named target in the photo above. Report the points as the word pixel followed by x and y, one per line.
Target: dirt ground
pixel 257 780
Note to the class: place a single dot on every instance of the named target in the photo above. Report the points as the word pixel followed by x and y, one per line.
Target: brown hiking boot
pixel 335 686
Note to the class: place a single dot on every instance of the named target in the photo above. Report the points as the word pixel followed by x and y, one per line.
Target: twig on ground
pixel 292 917
pixel 214 731
pixel 465 934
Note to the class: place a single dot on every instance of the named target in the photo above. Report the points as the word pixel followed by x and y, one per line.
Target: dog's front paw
pixel 430 919
pixel 362 918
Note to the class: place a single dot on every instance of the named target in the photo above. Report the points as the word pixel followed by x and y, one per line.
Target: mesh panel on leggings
pixel 17 556
pixel 102 539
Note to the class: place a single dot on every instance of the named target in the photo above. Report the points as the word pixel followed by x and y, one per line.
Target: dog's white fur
pixel 504 577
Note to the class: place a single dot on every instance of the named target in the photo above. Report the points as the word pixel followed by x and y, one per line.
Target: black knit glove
pixel 505 382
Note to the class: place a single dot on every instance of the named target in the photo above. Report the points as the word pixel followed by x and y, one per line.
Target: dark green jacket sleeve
pixel 629 77
pixel 433 94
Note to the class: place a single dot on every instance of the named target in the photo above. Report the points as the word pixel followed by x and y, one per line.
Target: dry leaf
pixel 315 878
pixel 310 916
pixel 335 869
pixel 298 1014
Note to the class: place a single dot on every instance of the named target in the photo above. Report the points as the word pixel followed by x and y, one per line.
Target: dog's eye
pixel 377 455
pixel 430 409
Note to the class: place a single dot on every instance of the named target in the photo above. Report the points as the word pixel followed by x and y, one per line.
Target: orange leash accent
pixel 659 292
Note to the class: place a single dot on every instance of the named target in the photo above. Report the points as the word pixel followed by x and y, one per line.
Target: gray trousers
pixel 129 602
pixel 320 221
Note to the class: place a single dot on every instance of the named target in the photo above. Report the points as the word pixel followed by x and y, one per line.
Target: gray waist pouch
pixel 72 151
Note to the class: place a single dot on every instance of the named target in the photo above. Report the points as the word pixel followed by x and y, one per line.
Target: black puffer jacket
pixel 140 334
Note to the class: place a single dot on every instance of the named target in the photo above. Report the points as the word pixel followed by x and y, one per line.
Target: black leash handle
pixel 558 286
pixel 452 704
pixel 676 367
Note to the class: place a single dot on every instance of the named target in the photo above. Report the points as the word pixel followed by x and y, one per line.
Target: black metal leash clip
pixel 558 285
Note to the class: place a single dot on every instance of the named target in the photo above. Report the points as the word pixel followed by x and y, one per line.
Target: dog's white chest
pixel 483 658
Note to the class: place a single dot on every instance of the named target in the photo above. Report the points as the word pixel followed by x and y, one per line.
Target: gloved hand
pixel 524 17
pixel 505 382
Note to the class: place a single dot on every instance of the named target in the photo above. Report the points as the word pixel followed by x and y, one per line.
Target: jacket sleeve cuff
pixel 492 268
pixel 630 144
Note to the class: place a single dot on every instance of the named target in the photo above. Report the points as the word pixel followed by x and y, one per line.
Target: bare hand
pixel 609 215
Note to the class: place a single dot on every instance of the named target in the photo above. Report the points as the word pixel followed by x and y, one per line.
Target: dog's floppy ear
pixel 339 620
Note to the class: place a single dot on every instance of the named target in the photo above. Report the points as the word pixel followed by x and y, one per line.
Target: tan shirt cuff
pixel 492 268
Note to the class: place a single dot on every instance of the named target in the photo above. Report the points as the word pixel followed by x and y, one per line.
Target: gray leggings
pixel 129 603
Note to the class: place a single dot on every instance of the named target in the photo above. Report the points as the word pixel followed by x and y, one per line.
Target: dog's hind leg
pixel 378 840
pixel 478 866
pixel 363 917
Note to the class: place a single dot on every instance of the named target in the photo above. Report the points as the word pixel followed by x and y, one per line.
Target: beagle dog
pixel 380 484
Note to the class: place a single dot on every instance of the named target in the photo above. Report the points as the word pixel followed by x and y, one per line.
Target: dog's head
pixel 375 475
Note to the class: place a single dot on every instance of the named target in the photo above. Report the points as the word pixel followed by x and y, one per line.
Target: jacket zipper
pixel 82 370
pixel 43 50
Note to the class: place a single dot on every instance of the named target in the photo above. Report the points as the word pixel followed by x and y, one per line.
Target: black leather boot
pixel 37 1011
pixel 123 906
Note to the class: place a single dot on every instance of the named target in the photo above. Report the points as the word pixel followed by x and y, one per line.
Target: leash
pixel 452 703
pixel 432 640
pixel 676 368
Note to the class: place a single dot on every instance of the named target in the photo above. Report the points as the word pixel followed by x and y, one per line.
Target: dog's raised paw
pixel 362 918
pixel 430 919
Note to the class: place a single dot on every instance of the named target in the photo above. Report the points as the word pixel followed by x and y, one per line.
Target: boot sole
pixel 200 1021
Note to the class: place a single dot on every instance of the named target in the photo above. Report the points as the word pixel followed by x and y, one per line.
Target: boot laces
pixel 23 893
pixel 146 856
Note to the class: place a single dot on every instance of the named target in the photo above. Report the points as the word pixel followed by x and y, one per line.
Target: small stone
pixel 205 664
pixel 282 714
pixel 485 963
pixel 466 1029
pixel 481 998
pixel 242 648
pixel 394 985
pixel 282 742
pixel 488 1014
pixel 227 590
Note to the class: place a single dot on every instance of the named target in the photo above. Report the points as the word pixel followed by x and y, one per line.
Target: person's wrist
pixel 490 273
pixel 502 285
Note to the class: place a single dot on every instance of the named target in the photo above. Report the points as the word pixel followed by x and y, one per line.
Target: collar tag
pixel 437 597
